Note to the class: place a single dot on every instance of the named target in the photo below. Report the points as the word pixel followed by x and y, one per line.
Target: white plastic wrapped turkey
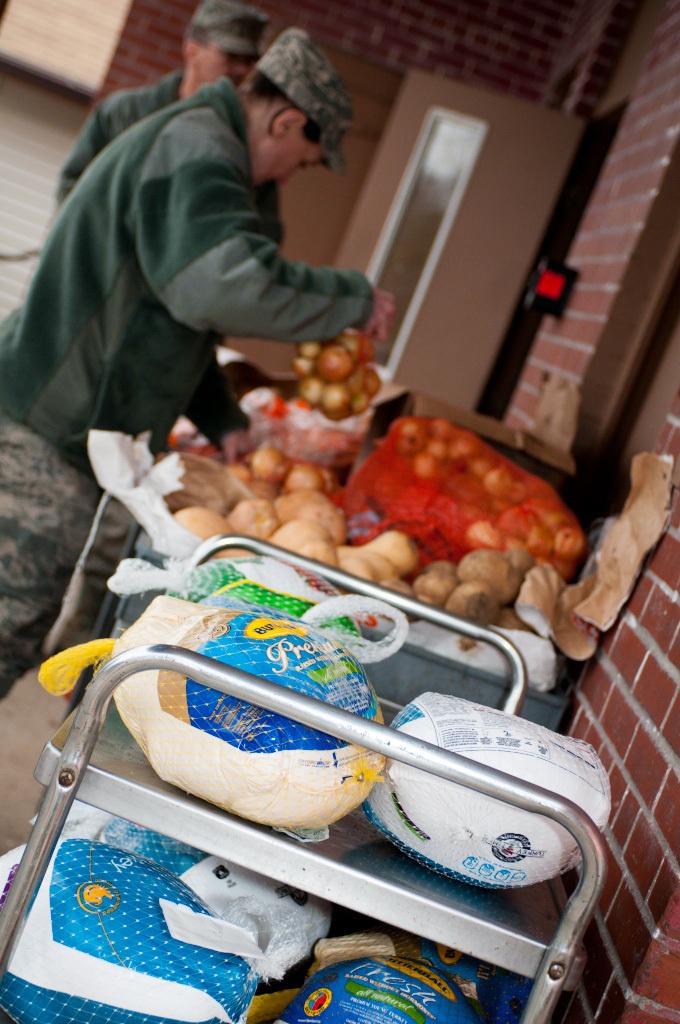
pixel 464 834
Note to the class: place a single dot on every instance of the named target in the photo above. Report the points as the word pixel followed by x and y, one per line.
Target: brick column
pixel 627 703
pixel 613 225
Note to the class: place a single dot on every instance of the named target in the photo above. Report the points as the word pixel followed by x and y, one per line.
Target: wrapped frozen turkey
pixel 96 947
pixel 245 759
pixel 467 835
pixel 380 990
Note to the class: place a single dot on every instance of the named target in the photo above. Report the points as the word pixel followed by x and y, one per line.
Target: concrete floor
pixel 28 717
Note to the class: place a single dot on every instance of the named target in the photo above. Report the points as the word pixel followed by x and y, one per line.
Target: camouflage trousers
pixel 46 509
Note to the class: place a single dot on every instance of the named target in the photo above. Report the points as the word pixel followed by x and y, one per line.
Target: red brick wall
pixel 614 220
pixel 628 703
pixel 512 46
pixel 628 707
pixel 588 52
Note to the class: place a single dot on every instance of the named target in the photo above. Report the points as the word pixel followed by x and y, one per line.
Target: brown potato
pixel 269 464
pixel 476 601
pixel 521 559
pixel 297 533
pixel 316 506
pixel 509 619
pixel 261 489
pixel 254 517
pixel 354 562
pixel 442 565
pixel 304 476
pixel 321 550
pixel 494 569
pixel 434 587
pixel 382 568
pixel 203 522
pixel 398 548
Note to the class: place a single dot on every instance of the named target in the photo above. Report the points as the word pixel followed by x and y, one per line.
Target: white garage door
pixel 37 130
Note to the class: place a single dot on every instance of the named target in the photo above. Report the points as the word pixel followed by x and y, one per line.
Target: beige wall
pixel 494 240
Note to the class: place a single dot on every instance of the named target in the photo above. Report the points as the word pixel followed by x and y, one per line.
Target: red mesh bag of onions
pixel 452 493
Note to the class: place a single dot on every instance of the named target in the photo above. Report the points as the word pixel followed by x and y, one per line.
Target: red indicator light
pixel 550 285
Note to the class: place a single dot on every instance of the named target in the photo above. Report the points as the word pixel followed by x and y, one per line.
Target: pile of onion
pixel 507 508
pixel 268 472
pixel 337 376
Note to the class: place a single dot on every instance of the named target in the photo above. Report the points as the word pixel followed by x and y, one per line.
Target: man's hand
pixel 236 443
pixel 379 323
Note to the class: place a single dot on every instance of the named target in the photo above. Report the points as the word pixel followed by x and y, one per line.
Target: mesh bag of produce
pixel 258 580
pixel 379 990
pixel 452 493
pixel 96 947
pixel 467 835
pixel 245 759
pixel 303 433
pixel 281 588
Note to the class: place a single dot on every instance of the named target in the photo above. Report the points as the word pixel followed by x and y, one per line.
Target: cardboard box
pixel 548 463
pixel 394 400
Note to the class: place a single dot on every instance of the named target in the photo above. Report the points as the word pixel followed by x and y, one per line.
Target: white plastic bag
pixel 286 921
pixel 125 468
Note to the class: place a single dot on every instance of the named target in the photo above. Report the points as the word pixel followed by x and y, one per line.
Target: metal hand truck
pixel 531 931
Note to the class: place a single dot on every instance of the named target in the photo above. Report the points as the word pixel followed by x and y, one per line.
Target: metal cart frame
pixel 495 925
pixel 515 697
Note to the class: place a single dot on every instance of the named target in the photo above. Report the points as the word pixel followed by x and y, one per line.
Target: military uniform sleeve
pixel 201 247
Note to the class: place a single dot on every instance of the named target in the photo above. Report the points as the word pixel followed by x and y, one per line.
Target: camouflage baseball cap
pixel 232 26
pixel 305 75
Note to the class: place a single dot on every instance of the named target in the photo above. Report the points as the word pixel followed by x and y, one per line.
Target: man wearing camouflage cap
pixel 159 250
pixel 309 80
pixel 223 38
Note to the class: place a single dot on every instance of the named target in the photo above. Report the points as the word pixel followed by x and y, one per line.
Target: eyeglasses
pixel 311 131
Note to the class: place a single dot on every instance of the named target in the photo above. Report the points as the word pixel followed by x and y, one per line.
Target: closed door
pixel 469 272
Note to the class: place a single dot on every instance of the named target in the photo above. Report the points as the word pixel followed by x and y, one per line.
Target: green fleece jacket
pixel 121 109
pixel 156 252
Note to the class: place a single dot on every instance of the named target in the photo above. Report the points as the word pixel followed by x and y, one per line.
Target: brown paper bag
pixel 573 616
pixel 636 531
pixel 208 484
pixel 556 416
pixel 547 604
